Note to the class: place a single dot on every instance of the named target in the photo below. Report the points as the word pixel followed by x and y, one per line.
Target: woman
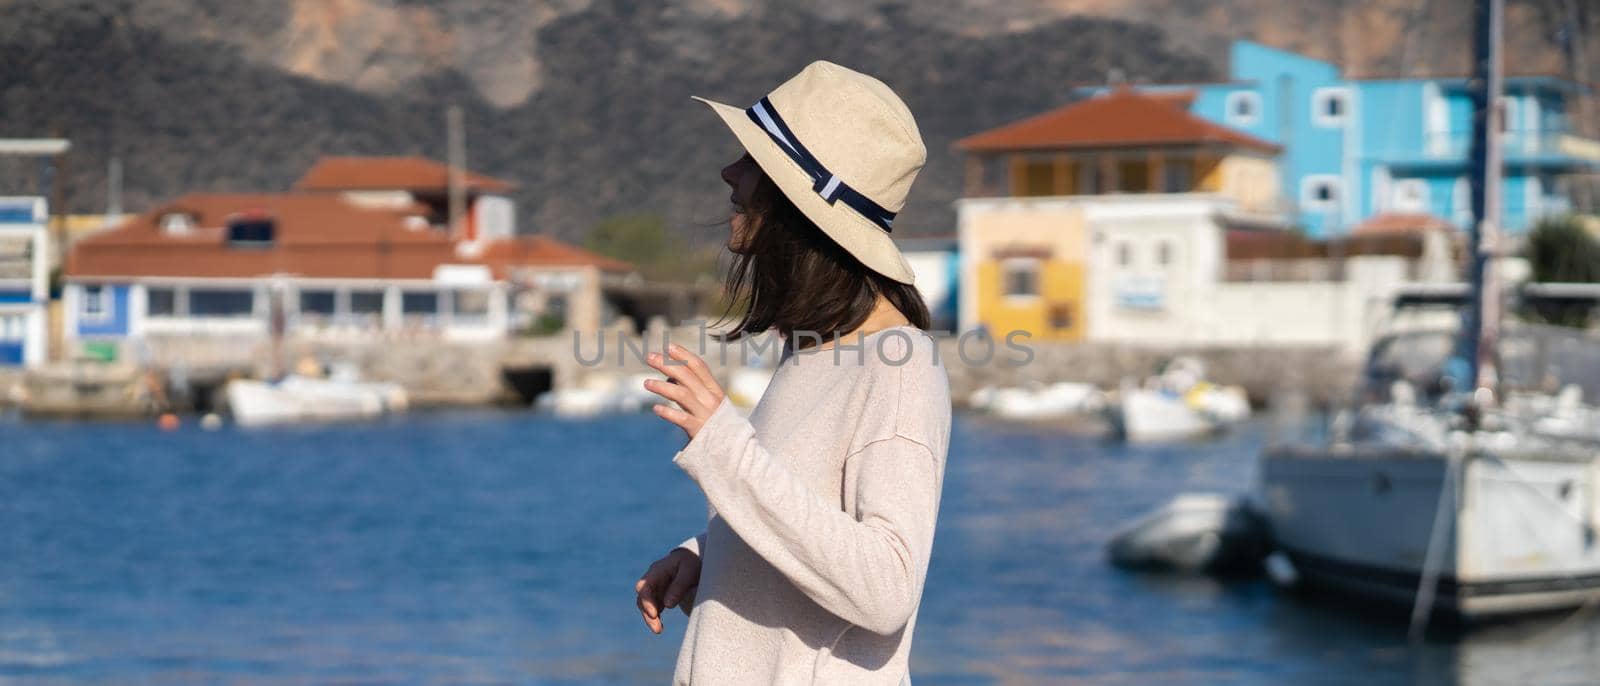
pixel 823 503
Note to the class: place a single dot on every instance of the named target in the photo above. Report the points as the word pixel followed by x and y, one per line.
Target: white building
pixel 24 281
pixel 1186 271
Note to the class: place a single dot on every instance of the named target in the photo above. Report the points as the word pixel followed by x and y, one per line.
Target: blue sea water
pixel 501 548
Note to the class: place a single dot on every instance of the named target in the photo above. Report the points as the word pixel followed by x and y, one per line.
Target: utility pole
pixel 114 189
pixel 457 152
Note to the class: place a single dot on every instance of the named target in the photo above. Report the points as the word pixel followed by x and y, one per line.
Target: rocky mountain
pixel 584 102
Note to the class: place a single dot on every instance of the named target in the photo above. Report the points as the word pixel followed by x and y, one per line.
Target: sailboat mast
pixel 1481 324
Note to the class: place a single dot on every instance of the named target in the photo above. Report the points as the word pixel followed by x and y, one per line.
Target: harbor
pixel 1272 345
pixel 445 548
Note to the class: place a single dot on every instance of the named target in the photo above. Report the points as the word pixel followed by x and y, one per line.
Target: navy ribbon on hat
pixel 830 187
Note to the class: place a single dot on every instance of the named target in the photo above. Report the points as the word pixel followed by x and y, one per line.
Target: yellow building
pixel 1024 221
pixel 1026 267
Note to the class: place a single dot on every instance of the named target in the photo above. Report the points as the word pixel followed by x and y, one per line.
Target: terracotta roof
pixel 389 173
pixel 1121 118
pixel 1401 222
pixel 544 250
pixel 315 235
pixel 1179 99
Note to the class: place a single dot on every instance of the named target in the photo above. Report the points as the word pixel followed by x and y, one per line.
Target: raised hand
pixel 690 385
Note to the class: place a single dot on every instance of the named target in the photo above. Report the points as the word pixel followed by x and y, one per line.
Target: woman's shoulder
pixel 906 391
pixel 906 353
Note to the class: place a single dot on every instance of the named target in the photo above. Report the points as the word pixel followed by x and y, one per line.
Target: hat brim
pixel 853 232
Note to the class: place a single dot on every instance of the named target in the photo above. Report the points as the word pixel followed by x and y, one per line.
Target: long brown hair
pixel 790 276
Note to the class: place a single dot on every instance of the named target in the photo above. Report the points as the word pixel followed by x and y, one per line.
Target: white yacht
pixel 1475 514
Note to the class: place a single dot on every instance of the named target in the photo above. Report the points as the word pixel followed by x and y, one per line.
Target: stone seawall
pixel 1322 375
pixel 444 373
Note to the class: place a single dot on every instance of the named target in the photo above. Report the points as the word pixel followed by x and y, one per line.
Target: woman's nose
pixel 730 175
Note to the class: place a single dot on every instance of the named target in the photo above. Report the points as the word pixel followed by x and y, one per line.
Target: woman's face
pixel 742 176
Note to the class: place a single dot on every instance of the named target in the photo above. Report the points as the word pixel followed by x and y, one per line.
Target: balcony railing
pixel 1446 145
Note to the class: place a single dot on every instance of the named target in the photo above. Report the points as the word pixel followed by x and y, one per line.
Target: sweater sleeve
pixel 694 544
pixel 867 569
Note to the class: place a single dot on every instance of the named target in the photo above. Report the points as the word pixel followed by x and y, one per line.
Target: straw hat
pixel 844 149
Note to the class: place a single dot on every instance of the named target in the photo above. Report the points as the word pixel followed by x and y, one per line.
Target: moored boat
pixel 1176 404
pixel 299 398
pixel 1410 497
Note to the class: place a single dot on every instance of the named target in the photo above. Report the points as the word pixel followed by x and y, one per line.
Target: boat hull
pixel 1517 534
pixel 1142 415
pixel 299 400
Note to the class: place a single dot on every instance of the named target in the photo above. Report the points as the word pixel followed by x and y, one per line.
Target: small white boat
pixel 298 398
pixel 1053 401
pixel 1176 404
pixel 1196 532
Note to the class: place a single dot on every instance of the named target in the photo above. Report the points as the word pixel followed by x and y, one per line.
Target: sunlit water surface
pixel 501 548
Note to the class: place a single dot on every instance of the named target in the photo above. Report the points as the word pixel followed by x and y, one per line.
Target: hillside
pixel 585 102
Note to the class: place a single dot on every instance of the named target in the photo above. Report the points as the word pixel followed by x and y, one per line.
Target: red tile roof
pixel 389 173
pixel 1121 118
pixel 1180 99
pixel 544 250
pixel 315 235
pixel 1400 222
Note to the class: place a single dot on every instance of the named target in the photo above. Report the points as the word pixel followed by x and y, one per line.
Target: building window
pixel 1461 202
pixel 1243 107
pixel 1061 315
pixel 366 303
pixel 219 303
pixel 420 307
pixel 96 303
pixel 1330 106
pixel 177 223
pixel 1021 277
pixel 1177 177
pixel 1089 181
pixel 1163 253
pixel 250 232
pixel 318 304
pixel 366 307
pixel 1320 192
pixel 555 309
pixel 1410 195
pixel 161 301
pixel 1038 179
pixel 1124 254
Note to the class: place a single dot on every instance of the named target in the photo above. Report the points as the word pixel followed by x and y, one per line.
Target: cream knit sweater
pixel 822 509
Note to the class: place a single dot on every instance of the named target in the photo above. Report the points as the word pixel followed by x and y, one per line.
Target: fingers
pixel 696 365
pixel 675 392
pixel 684 420
pixel 687 577
pixel 652 619
pixel 677 372
pixel 649 606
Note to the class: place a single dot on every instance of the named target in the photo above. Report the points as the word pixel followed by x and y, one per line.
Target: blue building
pixel 24 281
pixel 1358 147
